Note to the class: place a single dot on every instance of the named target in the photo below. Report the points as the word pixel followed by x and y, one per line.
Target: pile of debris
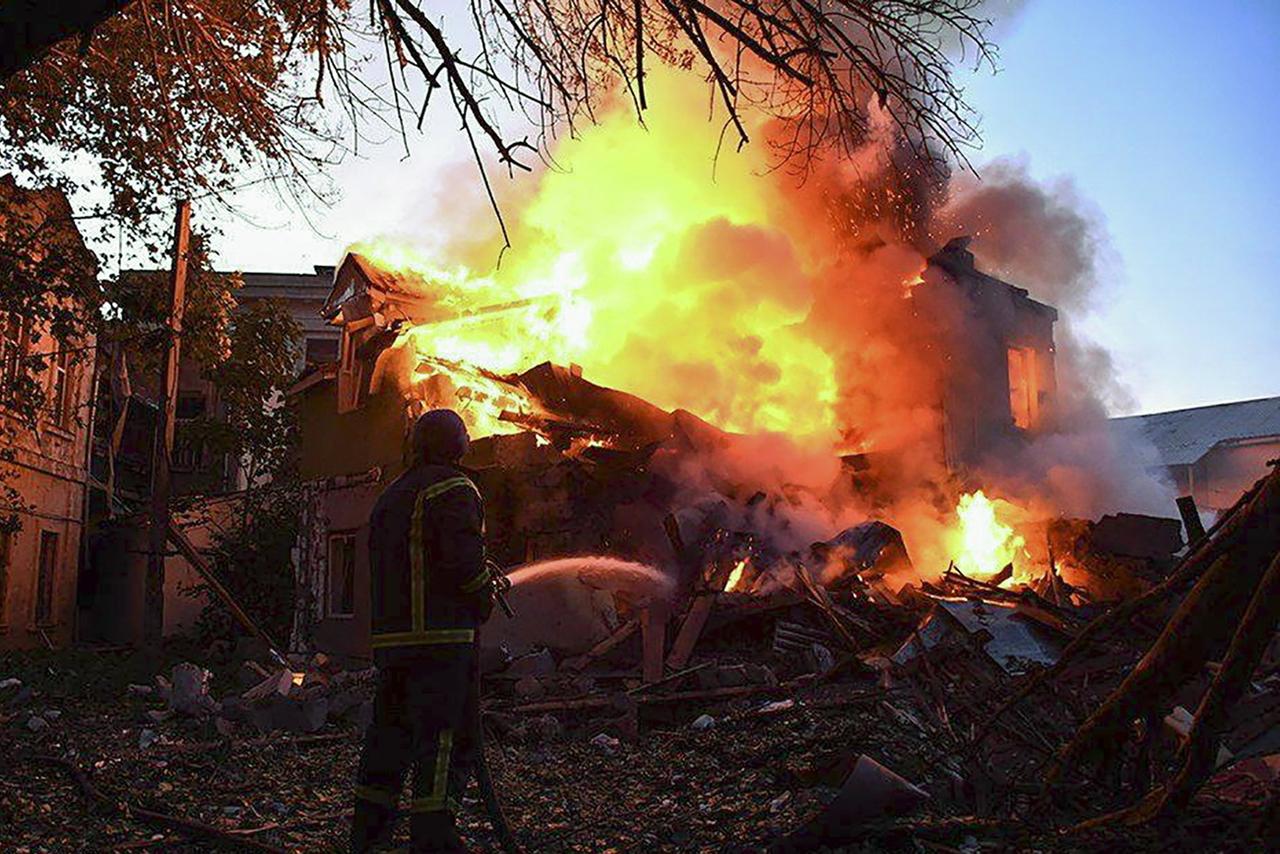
pixel 302 698
pixel 1010 684
pixel 978 695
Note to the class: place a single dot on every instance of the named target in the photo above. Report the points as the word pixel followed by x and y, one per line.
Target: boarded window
pixel 342 574
pixel 6 544
pixel 45 576
pixel 1024 391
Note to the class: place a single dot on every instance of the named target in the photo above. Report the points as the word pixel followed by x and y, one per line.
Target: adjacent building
pixel 1212 453
pixel 46 461
pixel 207 484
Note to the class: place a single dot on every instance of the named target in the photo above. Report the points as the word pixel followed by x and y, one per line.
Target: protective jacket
pixel 429 590
pixel 429 584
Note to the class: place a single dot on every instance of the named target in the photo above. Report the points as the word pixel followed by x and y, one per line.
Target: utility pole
pixel 153 603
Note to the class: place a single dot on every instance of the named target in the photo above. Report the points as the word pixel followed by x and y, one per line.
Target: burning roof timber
pixel 377 308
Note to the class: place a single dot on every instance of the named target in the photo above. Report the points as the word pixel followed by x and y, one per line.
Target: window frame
pixel 15 341
pixel 58 402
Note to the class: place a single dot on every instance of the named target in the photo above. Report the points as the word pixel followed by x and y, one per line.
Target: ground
pixel 669 788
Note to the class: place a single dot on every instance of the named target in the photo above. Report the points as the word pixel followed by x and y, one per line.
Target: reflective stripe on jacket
pixel 427 573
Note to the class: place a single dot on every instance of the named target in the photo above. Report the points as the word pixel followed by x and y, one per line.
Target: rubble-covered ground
pixel 659 769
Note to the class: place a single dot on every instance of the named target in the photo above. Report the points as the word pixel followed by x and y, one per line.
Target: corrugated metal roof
pixel 1184 436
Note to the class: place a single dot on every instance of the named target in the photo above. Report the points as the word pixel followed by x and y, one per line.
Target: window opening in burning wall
pixel 342 574
pixel 1024 392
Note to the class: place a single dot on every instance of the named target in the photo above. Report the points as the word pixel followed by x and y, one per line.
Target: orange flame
pixel 735 576
pixel 983 541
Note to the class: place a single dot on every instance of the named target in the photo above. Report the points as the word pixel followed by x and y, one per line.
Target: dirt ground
pixel 671 787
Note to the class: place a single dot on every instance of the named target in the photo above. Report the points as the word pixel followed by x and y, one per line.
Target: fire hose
pixel 500 584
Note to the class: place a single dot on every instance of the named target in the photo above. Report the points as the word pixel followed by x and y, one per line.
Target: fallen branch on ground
pixel 185 825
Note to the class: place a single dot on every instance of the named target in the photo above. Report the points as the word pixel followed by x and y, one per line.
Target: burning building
pixel 659 357
pixel 570 468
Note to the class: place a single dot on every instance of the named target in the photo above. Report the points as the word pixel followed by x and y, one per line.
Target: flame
pixel 657 274
pixel 490 404
pixel 983 542
pixel 708 283
pixel 735 576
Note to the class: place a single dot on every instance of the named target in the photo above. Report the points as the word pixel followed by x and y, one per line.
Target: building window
pixel 6 545
pixel 1024 390
pixel 342 574
pixel 190 405
pixel 13 347
pixel 44 578
pixel 59 389
pixel 188 452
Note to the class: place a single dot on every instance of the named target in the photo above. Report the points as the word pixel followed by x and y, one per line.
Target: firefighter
pixel 430 591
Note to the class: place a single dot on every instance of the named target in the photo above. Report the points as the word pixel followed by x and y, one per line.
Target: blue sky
pixel 1164 114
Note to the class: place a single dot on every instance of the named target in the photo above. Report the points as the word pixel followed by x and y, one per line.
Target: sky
pixel 1164 115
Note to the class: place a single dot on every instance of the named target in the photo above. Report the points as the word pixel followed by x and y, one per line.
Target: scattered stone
pixel 35 723
pixel 606 744
pixel 703 722
pixel 232 811
pixel 52 714
pixel 6 684
pixel 190 694
pixel 146 738
pixel 776 706
pixel 135 690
